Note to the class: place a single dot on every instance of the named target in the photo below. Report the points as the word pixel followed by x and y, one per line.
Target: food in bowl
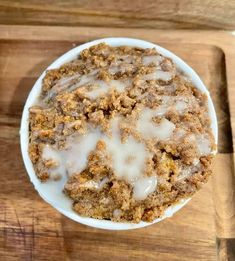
pixel 126 131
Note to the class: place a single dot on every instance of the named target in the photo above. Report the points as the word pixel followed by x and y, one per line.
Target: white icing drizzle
pixel 73 159
pixel 180 106
pixel 178 103
pixel 84 80
pixel 129 161
pixel 78 150
pixel 49 153
pixel 120 86
pixel 164 129
pixel 202 142
pixel 117 213
pixel 120 152
pixel 124 59
pixel 203 145
pixel 70 83
pixel 187 171
pixel 62 85
pixel 122 68
pixel 92 184
pixel 179 133
pixel 155 59
pixel 102 88
pixel 98 87
pixel 114 69
pixel 148 128
pixel 128 158
pixel 144 186
pixel 122 64
pixel 158 75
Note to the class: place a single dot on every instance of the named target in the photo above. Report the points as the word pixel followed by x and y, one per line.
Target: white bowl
pixel 56 198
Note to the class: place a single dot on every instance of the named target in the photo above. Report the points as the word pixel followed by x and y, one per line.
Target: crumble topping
pixel 123 132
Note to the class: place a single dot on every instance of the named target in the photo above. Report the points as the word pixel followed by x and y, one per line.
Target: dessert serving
pixel 125 132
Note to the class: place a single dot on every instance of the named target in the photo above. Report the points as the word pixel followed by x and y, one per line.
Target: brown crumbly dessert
pixel 125 129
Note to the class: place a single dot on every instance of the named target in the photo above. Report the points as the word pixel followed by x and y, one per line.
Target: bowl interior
pixel 51 191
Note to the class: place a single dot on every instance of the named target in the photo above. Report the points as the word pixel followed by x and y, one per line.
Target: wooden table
pixel 32 230
pixel 161 14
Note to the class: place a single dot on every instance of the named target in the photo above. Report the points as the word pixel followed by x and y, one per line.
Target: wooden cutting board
pixel 30 229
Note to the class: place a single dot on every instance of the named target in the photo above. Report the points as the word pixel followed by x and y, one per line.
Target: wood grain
pixel 226 249
pixel 224 196
pixel 184 14
pixel 30 229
